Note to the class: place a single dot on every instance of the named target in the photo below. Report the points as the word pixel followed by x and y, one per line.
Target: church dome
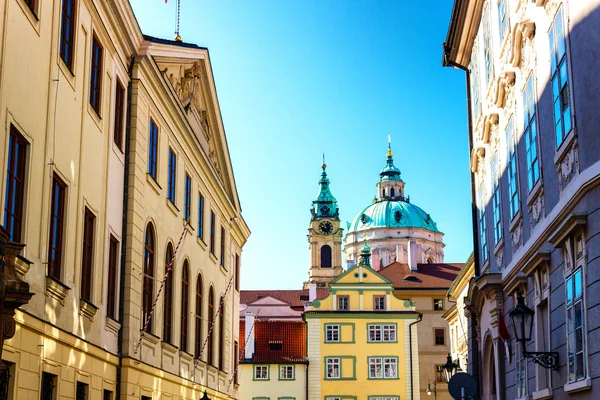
pixel 392 214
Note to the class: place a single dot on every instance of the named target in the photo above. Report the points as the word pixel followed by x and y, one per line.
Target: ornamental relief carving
pixel 527 57
pixel 568 167
pixel 516 236
pixel 521 9
pixel 500 258
pixel 536 210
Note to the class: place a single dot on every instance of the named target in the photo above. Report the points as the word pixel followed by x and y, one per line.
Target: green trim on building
pixel 286 398
pixel 261 398
pixel 268 372
pixel 366 315
pixel 341 378
pixel 382 369
pixel 339 324
pixel 279 378
pixel 384 396
pixel 382 341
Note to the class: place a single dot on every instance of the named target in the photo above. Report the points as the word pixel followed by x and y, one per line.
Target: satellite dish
pixel 462 386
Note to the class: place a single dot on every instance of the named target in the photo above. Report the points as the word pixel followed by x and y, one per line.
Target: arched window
pixel 325 256
pixel 430 260
pixel 211 318
pixel 222 335
pixel 393 192
pixel 198 338
pixel 148 289
pixel 184 306
pixel 383 192
pixel 168 300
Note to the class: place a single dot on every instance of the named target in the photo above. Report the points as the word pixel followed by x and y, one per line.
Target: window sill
pixel 213 258
pixel 201 242
pixel 94 114
pixel 153 183
pixel 499 245
pixel 584 384
pixel 66 71
pixel 31 16
pixel 87 309
pixel 169 348
pixel 534 191
pixel 56 289
pixel 185 356
pixel 542 394
pixel 564 147
pixel 172 207
pixel 149 337
pixel 112 326
pixel 515 221
pixel 223 270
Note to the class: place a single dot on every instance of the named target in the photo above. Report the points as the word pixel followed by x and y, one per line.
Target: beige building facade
pixel 97 118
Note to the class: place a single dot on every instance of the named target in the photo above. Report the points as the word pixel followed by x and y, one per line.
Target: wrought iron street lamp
pixel 522 320
pixel 450 368
pixel 205 396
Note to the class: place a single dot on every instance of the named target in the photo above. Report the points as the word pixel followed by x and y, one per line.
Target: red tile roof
pixel 292 297
pixel 427 276
pixel 291 335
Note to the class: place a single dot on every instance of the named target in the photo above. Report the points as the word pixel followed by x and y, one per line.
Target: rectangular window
pixel 438 304
pixel 482 224
pixel 67 32
pixel 200 216
pixel 383 368
pixel 503 23
pixel 496 201
pixel 113 262
pixel 379 302
pixel 152 149
pixel 57 220
pixel 286 372
pixel 530 133
pixel 440 376
pixel 382 332
pixel 15 185
pixel 108 395
pixel 81 391
pixel 333 368
pixel 575 307
pixel 89 221
pixel 172 176
pixel 237 272
pixel 383 397
pixel 48 386
pixel 488 58
pixel 343 303
pixel 511 166
pixel 332 333
pixel 475 82
pixel 222 247
pixel 560 80
pixel 261 372
pixel 187 198
pixel 236 357
pixel 212 232
pixel 119 114
pixel 96 75
pixel 440 337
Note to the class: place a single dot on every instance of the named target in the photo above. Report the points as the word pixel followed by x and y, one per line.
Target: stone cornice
pixel 464 24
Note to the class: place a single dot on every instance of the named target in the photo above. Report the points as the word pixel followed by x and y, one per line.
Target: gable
pixel 187 73
pixel 358 274
pixel 269 301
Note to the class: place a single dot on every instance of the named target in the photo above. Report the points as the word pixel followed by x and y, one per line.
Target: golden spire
pixel 389 152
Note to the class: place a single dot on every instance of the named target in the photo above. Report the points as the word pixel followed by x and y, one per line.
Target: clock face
pixel 326 227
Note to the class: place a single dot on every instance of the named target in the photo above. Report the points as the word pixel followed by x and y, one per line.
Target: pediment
pixel 269 301
pixel 352 276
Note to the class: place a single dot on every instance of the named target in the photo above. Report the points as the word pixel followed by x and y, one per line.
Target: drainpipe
pixel 124 228
pixel 419 319
pixel 473 347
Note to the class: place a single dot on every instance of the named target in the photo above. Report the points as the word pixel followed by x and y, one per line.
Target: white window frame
pixel 283 372
pixel 377 333
pixel 347 305
pixel 379 303
pixel 336 365
pixel 259 367
pixel 383 368
pixel 333 330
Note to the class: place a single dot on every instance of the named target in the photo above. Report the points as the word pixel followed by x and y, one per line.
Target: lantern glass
pixel 449 368
pixel 522 319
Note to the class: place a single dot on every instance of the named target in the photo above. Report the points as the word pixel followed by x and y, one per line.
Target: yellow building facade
pixel 362 343
pixel 96 119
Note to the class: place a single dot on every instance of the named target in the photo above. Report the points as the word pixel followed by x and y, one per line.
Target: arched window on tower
pixel 430 260
pixel 168 300
pixel 393 192
pixel 148 289
pixel 211 318
pixel 325 256
pixel 383 192
pixel 198 338
pixel 184 306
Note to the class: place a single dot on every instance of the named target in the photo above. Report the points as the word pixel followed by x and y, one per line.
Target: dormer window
pixel 343 303
pixel 275 345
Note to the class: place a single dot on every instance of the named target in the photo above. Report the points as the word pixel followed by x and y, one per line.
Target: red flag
pixel 502 329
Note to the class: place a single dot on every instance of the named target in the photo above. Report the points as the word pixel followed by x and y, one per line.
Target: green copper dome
pixel 392 214
pixel 390 172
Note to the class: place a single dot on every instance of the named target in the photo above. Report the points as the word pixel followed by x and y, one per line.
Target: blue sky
pixel 296 79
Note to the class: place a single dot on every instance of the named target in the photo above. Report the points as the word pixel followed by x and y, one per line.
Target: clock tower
pixel 324 236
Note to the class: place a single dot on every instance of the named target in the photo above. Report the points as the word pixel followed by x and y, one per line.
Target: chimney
pixel 249 332
pixel 414 252
pixel 312 291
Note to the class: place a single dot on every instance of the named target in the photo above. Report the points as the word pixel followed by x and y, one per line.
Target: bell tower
pixel 324 236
